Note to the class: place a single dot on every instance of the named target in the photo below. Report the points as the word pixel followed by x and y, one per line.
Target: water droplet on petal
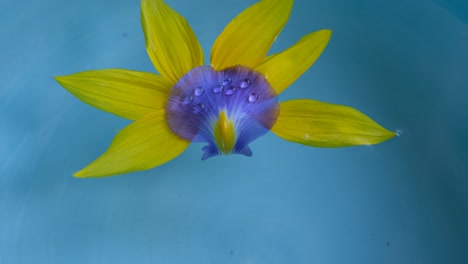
pixel 198 108
pixel 399 133
pixel 187 99
pixel 218 88
pixel 244 84
pixel 226 82
pixel 198 91
pixel 230 90
pixel 253 98
pixel 306 136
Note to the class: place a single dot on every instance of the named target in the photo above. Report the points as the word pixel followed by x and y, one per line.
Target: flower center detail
pixel 227 109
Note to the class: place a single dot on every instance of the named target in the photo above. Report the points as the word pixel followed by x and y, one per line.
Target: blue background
pixel 402 62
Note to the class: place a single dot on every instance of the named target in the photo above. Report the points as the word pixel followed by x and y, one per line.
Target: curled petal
pixel 170 42
pixel 283 68
pixel 321 124
pixel 142 145
pixel 129 94
pixel 247 38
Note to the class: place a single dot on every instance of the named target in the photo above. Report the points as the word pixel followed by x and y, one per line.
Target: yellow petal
pixel 321 124
pixel 129 94
pixel 144 144
pixel 282 69
pixel 170 42
pixel 224 133
pixel 247 39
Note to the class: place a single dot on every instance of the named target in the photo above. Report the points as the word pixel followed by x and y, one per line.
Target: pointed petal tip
pixel 248 37
pixel 282 69
pixel 326 31
pixel 320 124
pixel 85 174
pixel 59 79
pixel 125 93
pixel 387 135
pixel 80 174
pixel 144 144
pixel 170 41
pixel 326 34
pixel 63 77
pixel 62 81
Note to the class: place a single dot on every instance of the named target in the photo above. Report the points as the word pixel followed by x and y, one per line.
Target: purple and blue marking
pixel 235 105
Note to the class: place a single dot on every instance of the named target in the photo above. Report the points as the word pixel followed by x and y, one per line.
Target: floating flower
pixel 226 105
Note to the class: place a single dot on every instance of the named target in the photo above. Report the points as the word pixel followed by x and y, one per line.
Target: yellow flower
pixel 227 104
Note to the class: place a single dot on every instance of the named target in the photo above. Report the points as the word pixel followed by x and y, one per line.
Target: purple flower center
pixel 243 95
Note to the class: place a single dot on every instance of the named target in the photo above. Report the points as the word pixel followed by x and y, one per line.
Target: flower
pixel 227 104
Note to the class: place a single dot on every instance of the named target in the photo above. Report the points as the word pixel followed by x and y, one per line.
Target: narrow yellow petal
pixel 170 42
pixel 247 39
pixel 129 94
pixel 321 124
pixel 144 144
pixel 224 133
pixel 282 69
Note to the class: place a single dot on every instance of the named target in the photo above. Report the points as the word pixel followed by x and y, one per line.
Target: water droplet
pixel 230 90
pixel 399 133
pixel 226 82
pixel 218 88
pixel 198 91
pixel 187 99
pixel 253 98
pixel 198 108
pixel 244 84
pixel 306 136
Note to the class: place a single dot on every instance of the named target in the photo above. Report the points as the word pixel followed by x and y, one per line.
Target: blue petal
pixel 197 99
